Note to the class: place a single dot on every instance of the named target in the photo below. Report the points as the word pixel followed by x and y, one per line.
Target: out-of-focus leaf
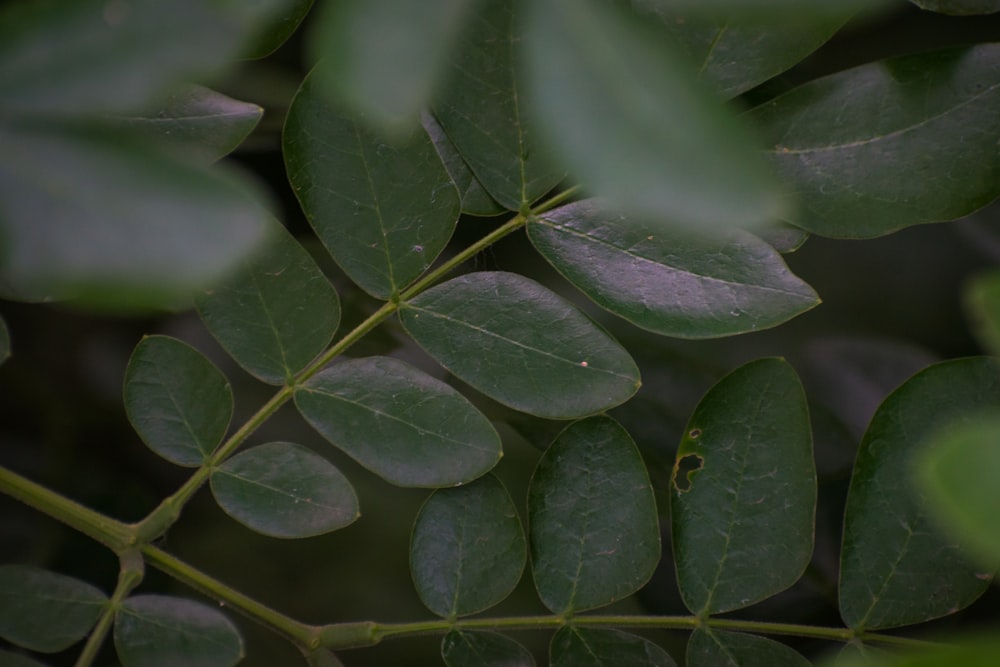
pixel 839 142
pixel 285 490
pixel 592 519
pixel 9 659
pixel 276 31
pixel 782 236
pixel 475 200
pixel 163 631
pixel 974 652
pixel 467 550
pixel 276 312
pixel 897 566
pixel 178 402
pixel 45 611
pixel 400 423
pixel 959 7
pixel 718 648
pixel 598 647
pixel 626 113
pixel 383 210
pixel 787 9
pixel 743 498
pixel 482 108
pixel 461 648
pixel 521 344
pixel 672 281
pixel 982 303
pixel 4 341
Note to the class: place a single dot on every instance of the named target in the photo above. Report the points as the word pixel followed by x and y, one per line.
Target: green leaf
pixel 276 31
pixel 177 401
pixel 672 281
pixel 196 121
pixel 718 648
pixel 163 631
pixel 86 214
pixel 483 649
pixel 467 550
pixel 959 7
pixel 982 303
pixel 482 108
pixel 839 141
pixel 383 210
pixel 276 312
pixel 782 236
pixel 521 344
pixel 400 423
pixel 387 56
pixel 4 341
pixel 9 659
pixel 598 647
pixel 897 567
pixel 627 114
pixel 743 497
pixel 592 518
pixel 771 9
pixel 975 652
pixel 44 611
pixel 285 490
pixel 475 199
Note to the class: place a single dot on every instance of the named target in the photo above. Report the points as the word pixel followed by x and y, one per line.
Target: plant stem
pixel 129 576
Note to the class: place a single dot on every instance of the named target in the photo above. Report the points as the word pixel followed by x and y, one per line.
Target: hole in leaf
pixel 684 471
pixel 694 433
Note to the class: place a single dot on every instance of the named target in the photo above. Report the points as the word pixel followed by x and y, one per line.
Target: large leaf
pixel 959 7
pixel 744 490
pixel 276 312
pixel 178 402
pixel 592 518
pixel 482 108
pixel 521 344
pixel 982 302
pixel 626 113
pixel 467 550
pixel 483 649
pixel 839 142
pixel 400 423
pixel 598 647
pixel 718 648
pixel 45 611
pixel 475 200
pixel 673 281
pixel 285 490
pixel 162 631
pixel 383 209
pixel 897 567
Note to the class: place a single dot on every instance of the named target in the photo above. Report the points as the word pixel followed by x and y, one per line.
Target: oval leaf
pixel 718 648
pixel 743 498
pixel 400 423
pixel 897 567
pixel 675 282
pixel 285 490
pixel 592 518
pixel 475 199
pixel 383 210
pixel 521 344
pixel 598 647
pixel 276 313
pixel 467 551
pixel 163 631
pixel 483 649
pixel 839 141
pixel 44 611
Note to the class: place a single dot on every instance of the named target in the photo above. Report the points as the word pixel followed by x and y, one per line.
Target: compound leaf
pixel 461 648
pixel 598 647
pixel 475 199
pixel 718 648
pixel 163 631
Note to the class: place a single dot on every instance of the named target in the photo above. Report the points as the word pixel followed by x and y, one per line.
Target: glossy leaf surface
pixel 669 280
pixel 743 496
pixel 402 424
pixel 475 199
pixel 959 7
pixel 44 611
pixel 521 344
pixel 592 518
pixel 383 210
pixel 285 490
pixel 839 141
pixel 897 566
pixel 598 647
pixel 483 649
pixel 276 313
pixel 482 108
pixel 718 648
pixel 178 402
pixel 467 550
pixel 982 303
pixel 163 631
pixel 627 115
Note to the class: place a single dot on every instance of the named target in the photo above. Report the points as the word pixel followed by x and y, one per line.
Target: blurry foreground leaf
pixel 162 631
pixel 461 648
pixel 599 647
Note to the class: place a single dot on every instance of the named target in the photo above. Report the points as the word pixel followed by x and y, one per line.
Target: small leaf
pixel 743 496
pixel 592 518
pixel 839 141
pixel 400 423
pixel 9 659
pixel 461 648
pixel 4 341
pixel 383 210
pixel 467 551
pixel 177 401
pixel 897 567
pixel 276 313
pixel 718 648
pixel 163 631
pixel 959 7
pixel 285 490
pixel 598 647
pixel 475 199
pixel 982 303
pixel 627 114
pixel 44 611
pixel 482 108
pixel 521 344
pixel 672 281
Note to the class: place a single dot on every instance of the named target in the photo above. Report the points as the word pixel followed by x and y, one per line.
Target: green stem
pixel 129 576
